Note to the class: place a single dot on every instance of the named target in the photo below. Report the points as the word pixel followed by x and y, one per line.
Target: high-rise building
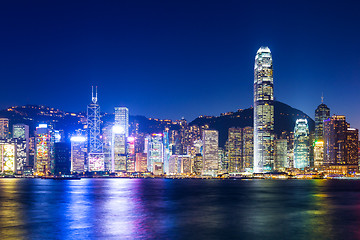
pixel 155 151
pixel 4 128
pixel 280 154
pixel 21 136
pixel 78 153
pixel 234 150
pixel 263 111
pixel 122 119
pixel 198 164
pixel 301 144
pixel 335 129
pixel 130 158
pixel 318 153
pixel 248 148
pixel 141 162
pixel 7 156
pixel 62 158
pixel 118 149
pixel 44 153
pixel 352 146
pixel 210 152
pixel 96 155
pixel 322 113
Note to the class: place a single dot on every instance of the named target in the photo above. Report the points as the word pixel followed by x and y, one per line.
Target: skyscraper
pixel 78 153
pixel 44 154
pixel 122 119
pixel 210 152
pixel 96 155
pixel 263 111
pixel 155 151
pixel 234 150
pixel 322 113
pixel 4 128
pixel 301 144
pixel 118 149
pixel 21 136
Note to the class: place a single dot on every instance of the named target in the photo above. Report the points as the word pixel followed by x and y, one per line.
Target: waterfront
pixel 179 209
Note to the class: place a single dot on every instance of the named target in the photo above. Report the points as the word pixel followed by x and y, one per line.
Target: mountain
pixel 284 117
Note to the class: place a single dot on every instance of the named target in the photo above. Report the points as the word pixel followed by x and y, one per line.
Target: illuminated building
pixel 234 150
pixel 21 135
pixel 180 164
pixel 155 151
pixel 158 168
pixel 210 152
pixel 62 158
pixel 118 149
pixel 7 156
pixel 301 144
pixel 107 146
pixel 248 148
pixel 130 159
pixel 20 131
pixel 44 145
pixel 141 162
pixel 263 111
pixel 4 128
pixel 280 154
pixel 335 129
pixel 322 113
pixel 352 146
pixel 198 164
pixel 289 136
pixel 318 153
pixel 78 153
pixel 122 119
pixel 96 156
pixel 223 161
pixel 167 151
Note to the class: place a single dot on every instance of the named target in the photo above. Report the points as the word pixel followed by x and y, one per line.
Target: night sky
pixel 169 59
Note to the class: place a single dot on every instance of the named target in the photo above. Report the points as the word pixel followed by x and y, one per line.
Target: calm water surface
pixel 179 209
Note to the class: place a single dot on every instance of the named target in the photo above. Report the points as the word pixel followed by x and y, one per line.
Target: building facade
pixel 263 111
pixel 301 144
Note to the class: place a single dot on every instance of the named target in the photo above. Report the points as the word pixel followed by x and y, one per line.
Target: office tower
pixel 21 136
pixel 248 148
pixel 322 113
pixel 20 131
pixel 107 146
pixel 335 129
pixel 180 164
pixel 7 156
pixel 122 119
pixel 141 162
pixel 223 160
pixel 4 128
pixel 155 151
pixel 301 144
pixel 78 153
pixel 118 149
pixel 280 154
pixel 198 164
pixel 44 153
pixel 263 111
pixel 352 146
pixel 167 151
pixel 318 153
pixel 62 158
pixel 96 156
pixel 234 150
pixel 130 158
pixel 210 152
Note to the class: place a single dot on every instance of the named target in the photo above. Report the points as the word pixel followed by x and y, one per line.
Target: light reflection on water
pixel 179 209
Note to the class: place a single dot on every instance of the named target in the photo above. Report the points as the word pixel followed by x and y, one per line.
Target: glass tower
pixel 263 111
pixel 301 144
pixel 322 113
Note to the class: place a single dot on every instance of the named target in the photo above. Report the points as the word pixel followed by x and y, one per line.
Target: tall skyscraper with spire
pixel 96 155
pixel 263 111
pixel 322 113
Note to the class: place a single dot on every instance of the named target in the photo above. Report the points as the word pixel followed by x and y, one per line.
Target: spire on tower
pixel 94 99
pixel 322 97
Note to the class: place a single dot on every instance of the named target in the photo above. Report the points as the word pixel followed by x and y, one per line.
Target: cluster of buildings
pixel 119 148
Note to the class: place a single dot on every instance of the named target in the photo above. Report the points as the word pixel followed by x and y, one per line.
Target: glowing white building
pixel 78 153
pixel 122 119
pixel 263 111
pixel 301 144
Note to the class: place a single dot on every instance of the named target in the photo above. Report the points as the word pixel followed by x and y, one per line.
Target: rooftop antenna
pixel 322 97
pixel 94 99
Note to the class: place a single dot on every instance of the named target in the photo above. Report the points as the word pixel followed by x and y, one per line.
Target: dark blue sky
pixel 169 59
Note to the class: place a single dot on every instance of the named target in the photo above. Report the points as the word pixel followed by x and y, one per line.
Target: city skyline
pixel 162 66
